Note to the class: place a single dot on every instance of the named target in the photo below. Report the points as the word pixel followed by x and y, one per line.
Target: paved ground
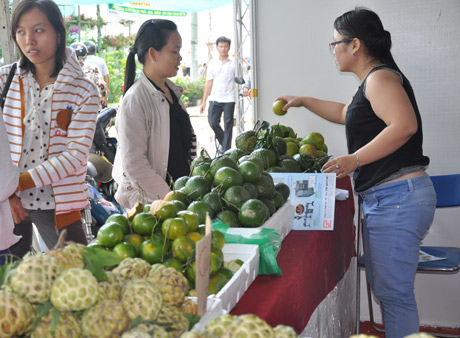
pixel 204 133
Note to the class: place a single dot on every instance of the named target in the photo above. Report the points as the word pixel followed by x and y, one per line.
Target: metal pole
pixel 194 43
pixel 238 63
pixel 99 25
pixel 254 79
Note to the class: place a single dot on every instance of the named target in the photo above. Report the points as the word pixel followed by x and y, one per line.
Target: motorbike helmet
pixel 91 47
pixel 80 49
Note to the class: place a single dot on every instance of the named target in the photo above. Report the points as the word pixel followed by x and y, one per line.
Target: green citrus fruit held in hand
pixel 278 107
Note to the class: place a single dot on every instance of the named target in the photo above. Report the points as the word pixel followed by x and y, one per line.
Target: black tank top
pixel 362 125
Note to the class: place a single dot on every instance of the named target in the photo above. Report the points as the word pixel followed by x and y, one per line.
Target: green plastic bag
pixel 268 240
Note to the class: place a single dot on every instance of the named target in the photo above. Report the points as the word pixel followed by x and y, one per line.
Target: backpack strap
pixel 7 84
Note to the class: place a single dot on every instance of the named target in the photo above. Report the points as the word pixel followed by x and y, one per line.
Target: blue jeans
pixel 396 217
pixel 4 256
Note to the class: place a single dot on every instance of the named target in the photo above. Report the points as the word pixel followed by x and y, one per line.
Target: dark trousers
pixel 44 221
pixel 214 114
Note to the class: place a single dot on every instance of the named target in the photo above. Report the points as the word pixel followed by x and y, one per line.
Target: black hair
pixel 365 25
pixel 223 39
pixel 152 34
pixel 53 14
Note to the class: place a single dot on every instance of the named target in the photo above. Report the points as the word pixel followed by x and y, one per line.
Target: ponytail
pixel 130 71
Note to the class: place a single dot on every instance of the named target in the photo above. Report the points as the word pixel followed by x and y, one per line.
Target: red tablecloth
pixel 312 263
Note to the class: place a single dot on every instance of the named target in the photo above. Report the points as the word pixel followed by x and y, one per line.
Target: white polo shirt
pixel 223 76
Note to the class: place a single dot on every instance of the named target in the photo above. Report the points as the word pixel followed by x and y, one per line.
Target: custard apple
pixel 249 325
pixel 75 290
pixel 71 256
pixel 111 288
pixel 106 319
pixel 16 314
pixel 152 330
pixel 171 283
pixel 218 326
pixel 140 298
pixel 135 334
pixel 174 318
pixel 34 277
pixel 189 306
pixel 68 326
pixel 131 268
pixel 284 331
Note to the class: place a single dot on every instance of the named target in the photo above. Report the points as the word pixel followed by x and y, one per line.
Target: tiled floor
pixel 366 328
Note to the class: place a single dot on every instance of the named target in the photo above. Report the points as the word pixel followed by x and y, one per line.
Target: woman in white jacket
pixel 9 174
pixel 155 137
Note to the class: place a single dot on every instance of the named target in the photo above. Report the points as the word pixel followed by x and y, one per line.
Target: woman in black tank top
pixel 384 139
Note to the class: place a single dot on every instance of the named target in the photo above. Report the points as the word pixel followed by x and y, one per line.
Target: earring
pixel 153 61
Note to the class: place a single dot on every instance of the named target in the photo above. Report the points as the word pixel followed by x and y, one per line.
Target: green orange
pixel 166 211
pixel 183 248
pixel 134 239
pixel 201 209
pixel 173 228
pixel 144 223
pixel 110 234
pixel 122 221
pixel 151 251
pixel 125 250
pixel 253 213
pixel 190 218
pixel 250 171
pixel 278 106
pixel 315 139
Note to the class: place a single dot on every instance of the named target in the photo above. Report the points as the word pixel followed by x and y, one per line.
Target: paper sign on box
pixel 313 196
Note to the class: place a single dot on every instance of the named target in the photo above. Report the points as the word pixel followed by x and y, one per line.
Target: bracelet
pixel 357 159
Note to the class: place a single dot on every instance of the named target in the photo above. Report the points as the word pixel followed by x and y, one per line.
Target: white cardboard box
pixel 232 292
pixel 213 310
pixel 282 220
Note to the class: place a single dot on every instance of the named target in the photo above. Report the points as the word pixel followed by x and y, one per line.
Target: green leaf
pixel 107 258
pixel 94 264
pixel 192 320
pixel 7 269
pixel 54 322
pixel 96 259
pixel 40 311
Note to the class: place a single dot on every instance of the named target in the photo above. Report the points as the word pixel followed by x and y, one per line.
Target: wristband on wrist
pixel 357 159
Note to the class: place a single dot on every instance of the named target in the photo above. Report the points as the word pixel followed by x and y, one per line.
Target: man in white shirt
pixel 220 88
pixel 99 62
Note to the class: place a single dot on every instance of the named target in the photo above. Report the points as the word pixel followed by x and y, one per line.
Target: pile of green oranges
pixel 164 233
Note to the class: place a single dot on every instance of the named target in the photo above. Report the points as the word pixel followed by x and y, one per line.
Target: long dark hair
pixel 153 33
pixel 366 25
pixel 53 14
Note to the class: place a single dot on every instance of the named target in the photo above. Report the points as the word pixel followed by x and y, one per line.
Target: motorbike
pixel 101 185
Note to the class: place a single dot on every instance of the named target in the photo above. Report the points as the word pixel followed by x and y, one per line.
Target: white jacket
pixel 143 143
pixel 9 174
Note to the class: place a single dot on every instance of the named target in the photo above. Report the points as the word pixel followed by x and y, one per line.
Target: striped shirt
pixel 74 106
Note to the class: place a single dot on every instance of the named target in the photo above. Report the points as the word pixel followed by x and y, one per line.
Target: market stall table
pixel 312 263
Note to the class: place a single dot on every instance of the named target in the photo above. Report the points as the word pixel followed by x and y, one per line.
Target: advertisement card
pixel 313 196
